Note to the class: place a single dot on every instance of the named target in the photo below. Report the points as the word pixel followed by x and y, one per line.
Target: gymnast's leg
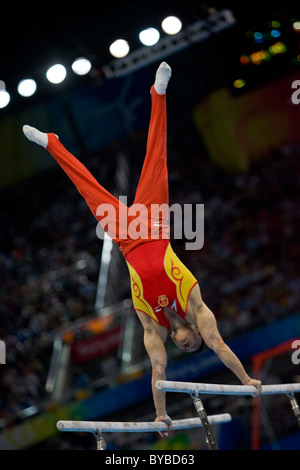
pixel 153 191
pixel 153 183
pixel 93 193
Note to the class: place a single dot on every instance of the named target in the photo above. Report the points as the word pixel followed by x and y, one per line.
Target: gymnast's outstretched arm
pixel 201 316
pixel 207 326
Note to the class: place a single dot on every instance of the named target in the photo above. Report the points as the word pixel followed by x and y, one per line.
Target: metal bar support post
pixel 295 407
pixel 101 444
pixel 210 438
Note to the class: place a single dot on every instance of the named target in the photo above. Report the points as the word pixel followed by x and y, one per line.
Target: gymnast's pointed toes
pixel 36 136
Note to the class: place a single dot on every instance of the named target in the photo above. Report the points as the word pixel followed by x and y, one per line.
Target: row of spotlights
pixel 56 74
pixel 118 49
pixel 148 37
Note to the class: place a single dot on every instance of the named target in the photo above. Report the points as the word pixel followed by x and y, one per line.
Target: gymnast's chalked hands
pixel 255 383
pixel 167 420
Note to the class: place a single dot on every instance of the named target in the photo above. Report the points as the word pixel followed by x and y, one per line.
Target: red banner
pixel 87 349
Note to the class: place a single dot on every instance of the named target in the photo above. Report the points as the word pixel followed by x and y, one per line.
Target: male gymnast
pixel 165 294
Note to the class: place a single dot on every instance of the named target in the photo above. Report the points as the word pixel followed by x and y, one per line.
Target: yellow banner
pixel 239 129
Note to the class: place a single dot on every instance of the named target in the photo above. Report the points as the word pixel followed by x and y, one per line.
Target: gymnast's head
pixel 187 338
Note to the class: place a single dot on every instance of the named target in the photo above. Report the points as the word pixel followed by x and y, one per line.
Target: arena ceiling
pixel 34 37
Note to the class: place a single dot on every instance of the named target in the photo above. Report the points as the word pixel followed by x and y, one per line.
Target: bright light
pixel 4 98
pixel 2 85
pixel 119 48
pixel 239 83
pixel 56 74
pixel 171 25
pixel 260 56
pixel 149 36
pixel 275 33
pixel 278 48
pixel 275 24
pixel 258 37
pixel 296 26
pixel 27 87
pixel 81 66
pixel 244 59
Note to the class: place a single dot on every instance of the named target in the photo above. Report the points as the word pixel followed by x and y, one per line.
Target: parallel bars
pixel 98 427
pixel 193 389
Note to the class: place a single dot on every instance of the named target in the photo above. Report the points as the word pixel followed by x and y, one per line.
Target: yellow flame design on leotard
pixel 180 275
pixel 139 302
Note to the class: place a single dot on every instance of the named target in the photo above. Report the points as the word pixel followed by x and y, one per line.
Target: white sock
pixel 162 77
pixel 34 135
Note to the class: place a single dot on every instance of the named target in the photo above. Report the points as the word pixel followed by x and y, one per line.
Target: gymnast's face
pixel 187 338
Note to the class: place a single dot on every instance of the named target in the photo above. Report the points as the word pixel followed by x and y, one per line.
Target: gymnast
pixel 165 294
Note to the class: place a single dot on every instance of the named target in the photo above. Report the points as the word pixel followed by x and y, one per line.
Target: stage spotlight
pixel 296 26
pixel 27 87
pixel 149 36
pixel 81 66
pixel 275 33
pixel 244 59
pixel 258 37
pixel 119 48
pixel 4 98
pixel 275 24
pixel 239 83
pixel 56 74
pixel 277 48
pixel 171 25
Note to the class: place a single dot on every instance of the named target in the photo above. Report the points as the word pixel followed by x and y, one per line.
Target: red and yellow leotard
pixel 159 279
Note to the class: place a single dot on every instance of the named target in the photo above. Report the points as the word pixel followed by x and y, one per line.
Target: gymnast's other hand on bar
pixel 167 420
pixel 255 383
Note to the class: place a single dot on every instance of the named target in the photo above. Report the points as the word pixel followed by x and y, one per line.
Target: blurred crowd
pixel 50 254
pixel 248 267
